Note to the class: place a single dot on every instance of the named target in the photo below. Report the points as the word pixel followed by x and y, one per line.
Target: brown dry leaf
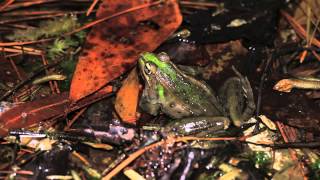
pixel 127 98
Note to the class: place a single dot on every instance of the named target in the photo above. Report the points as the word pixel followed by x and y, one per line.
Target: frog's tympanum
pixel 180 96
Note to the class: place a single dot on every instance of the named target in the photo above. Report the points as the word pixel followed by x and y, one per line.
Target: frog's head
pixel 156 67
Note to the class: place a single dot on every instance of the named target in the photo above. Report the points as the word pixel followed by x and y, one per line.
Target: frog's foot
pixel 194 125
pixel 248 94
pixel 237 97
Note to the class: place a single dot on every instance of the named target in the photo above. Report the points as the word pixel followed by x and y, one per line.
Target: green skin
pixel 178 95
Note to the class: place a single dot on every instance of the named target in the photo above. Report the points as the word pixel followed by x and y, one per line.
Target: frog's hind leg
pixel 250 105
pixel 237 96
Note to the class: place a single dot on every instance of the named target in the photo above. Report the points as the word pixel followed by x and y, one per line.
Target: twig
pixel 6 4
pixel 15 68
pixel 45 62
pixel 94 3
pixel 114 15
pixel 262 79
pixel 299 29
pixel 32 13
pixel 85 26
pixel 293 153
pixel 38 17
pixel 139 152
pixel 289 145
pixel 14 50
pixel 78 114
pixel 28 4
pixel 22 83
pixel 203 4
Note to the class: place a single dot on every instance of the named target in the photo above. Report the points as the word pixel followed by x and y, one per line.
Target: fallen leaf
pixel 32 113
pixel 127 98
pixel 113 46
pixel 27 114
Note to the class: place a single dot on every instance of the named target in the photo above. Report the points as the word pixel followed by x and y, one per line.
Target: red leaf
pixel 112 47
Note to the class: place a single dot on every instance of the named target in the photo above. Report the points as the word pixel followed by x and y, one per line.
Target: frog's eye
pixel 149 68
pixel 163 57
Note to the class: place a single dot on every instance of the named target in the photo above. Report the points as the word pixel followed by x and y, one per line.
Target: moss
pixel 315 173
pixel 46 29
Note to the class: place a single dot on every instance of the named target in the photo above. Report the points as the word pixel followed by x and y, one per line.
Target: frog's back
pixel 191 97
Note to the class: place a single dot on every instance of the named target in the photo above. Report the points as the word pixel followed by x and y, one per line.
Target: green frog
pixel 182 97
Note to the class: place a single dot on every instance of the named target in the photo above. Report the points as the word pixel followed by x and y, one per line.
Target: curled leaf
pixel 127 98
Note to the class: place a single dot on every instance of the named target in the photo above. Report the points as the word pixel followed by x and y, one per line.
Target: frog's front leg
pixel 149 102
pixel 237 97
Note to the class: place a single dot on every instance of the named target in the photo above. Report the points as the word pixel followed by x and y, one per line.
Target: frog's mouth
pixel 142 64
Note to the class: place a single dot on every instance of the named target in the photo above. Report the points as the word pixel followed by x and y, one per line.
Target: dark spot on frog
pixel 84 69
